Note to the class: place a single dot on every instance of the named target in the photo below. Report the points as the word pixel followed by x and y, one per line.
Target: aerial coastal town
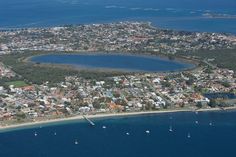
pixel 206 86
pixel 123 36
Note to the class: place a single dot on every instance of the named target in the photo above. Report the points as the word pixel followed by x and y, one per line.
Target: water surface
pixel 114 62
pixel 173 14
pixel 213 136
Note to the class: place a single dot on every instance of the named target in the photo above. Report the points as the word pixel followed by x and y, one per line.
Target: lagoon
pixel 129 63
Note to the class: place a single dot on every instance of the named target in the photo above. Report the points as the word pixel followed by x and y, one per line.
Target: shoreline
pixel 61 121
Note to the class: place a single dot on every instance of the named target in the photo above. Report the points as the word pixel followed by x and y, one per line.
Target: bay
pixel 214 135
pixel 172 14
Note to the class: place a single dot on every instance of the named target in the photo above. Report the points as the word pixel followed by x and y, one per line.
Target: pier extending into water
pixel 88 120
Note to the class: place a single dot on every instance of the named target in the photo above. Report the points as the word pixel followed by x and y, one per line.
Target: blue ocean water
pixel 173 14
pixel 114 61
pixel 213 136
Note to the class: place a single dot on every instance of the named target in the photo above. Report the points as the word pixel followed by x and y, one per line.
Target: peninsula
pixel 34 92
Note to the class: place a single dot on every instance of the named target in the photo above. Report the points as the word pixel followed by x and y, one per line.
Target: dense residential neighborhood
pixel 25 101
pixel 122 36
pixel 128 93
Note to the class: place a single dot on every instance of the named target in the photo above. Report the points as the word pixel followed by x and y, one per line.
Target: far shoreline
pixel 79 118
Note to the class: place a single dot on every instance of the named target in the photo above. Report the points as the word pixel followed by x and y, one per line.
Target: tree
pixel 199 105
pixel 226 84
pixel 165 84
pixel 20 116
pixel 190 82
pixel 213 103
pixel 96 105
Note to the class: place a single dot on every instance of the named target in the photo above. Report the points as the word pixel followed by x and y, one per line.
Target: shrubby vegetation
pixel 222 58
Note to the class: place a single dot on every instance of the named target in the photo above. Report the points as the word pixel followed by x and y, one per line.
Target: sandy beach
pixel 103 115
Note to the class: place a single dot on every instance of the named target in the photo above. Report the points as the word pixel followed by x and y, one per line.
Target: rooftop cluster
pixel 126 93
pixel 123 36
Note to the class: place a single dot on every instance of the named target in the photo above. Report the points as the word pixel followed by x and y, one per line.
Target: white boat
pixel 170 129
pixel 76 142
pixel 127 133
pixel 196 122
pixel 35 134
pixel 104 127
pixel 189 136
pixel 147 131
pixel 55 133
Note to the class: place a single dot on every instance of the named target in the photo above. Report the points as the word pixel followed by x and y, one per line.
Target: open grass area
pixel 17 84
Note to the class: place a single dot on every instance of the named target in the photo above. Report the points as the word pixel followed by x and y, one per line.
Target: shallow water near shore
pixel 197 135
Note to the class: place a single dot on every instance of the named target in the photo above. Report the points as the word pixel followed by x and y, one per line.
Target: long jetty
pixel 88 120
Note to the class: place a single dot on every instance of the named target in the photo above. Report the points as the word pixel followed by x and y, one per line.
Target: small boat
pixel 35 134
pixel 76 142
pixel 196 122
pixel 55 133
pixel 210 123
pixel 189 136
pixel 170 129
pixel 127 133
pixel 147 131
pixel 104 127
